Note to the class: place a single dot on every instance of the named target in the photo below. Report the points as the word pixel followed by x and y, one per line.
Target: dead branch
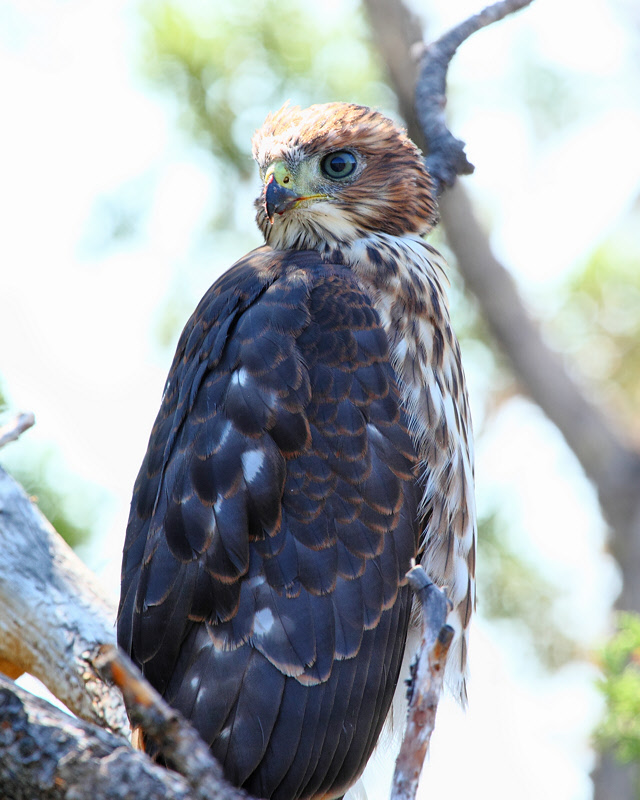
pixel 47 754
pixel 53 619
pixel 12 430
pixel 446 158
pixel 613 465
pixel 418 73
pixel 177 741
pixel 56 625
pixel 426 684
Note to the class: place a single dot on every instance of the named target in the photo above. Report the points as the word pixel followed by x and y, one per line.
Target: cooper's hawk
pixel 313 437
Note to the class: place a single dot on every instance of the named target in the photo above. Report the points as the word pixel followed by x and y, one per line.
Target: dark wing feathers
pixel 271 527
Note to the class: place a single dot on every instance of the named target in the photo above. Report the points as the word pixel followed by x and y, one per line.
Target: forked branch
pixel 446 158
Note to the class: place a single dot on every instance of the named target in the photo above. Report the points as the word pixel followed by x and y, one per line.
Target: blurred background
pixel 126 189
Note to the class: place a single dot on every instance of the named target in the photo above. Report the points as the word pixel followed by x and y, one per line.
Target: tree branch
pixel 446 158
pixel 57 626
pixel 47 754
pixel 178 743
pixel 53 618
pixel 427 676
pixel 12 430
pixel 613 466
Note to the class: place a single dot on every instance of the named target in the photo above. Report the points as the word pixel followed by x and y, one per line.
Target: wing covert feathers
pixel 271 527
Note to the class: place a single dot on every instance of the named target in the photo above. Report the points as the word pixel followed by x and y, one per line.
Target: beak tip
pixel 277 198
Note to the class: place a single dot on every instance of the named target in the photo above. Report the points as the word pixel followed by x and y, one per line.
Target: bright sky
pixel 77 340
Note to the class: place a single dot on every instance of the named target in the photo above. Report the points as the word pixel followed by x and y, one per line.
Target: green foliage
pixel 509 587
pixel 600 323
pixel 229 64
pixel 35 472
pixel 620 729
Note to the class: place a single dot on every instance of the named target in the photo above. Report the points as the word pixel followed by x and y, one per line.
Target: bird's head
pixel 338 172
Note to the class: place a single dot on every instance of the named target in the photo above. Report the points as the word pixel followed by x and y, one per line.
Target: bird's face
pixel 335 173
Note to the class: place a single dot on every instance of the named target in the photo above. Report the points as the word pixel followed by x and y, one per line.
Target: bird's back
pixel 272 524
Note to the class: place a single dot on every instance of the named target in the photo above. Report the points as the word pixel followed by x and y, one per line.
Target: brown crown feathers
pixel 390 191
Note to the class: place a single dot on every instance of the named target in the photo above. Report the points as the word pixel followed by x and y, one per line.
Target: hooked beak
pixel 277 198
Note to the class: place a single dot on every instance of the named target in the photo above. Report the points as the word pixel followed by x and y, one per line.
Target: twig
pixel 427 676
pixel 176 740
pixel 12 430
pixel 446 158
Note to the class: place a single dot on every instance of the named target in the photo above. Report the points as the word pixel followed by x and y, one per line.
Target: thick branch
pixel 47 754
pixel 53 620
pixel 55 625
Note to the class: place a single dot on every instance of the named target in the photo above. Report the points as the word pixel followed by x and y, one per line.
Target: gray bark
pixel 53 616
pixel 46 754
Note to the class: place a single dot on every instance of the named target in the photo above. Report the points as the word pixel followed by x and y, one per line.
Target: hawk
pixel 313 438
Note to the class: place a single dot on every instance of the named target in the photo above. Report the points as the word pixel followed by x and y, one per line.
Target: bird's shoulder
pixel 279 462
pixel 268 292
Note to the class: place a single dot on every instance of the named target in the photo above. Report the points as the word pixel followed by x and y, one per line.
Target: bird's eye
pixel 338 165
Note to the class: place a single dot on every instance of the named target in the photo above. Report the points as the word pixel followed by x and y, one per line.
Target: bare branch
pixel 47 754
pixel 12 430
pixel 613 465
pixel 53 619
pixel 426 684
pixel 446 158
pixel 177 741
